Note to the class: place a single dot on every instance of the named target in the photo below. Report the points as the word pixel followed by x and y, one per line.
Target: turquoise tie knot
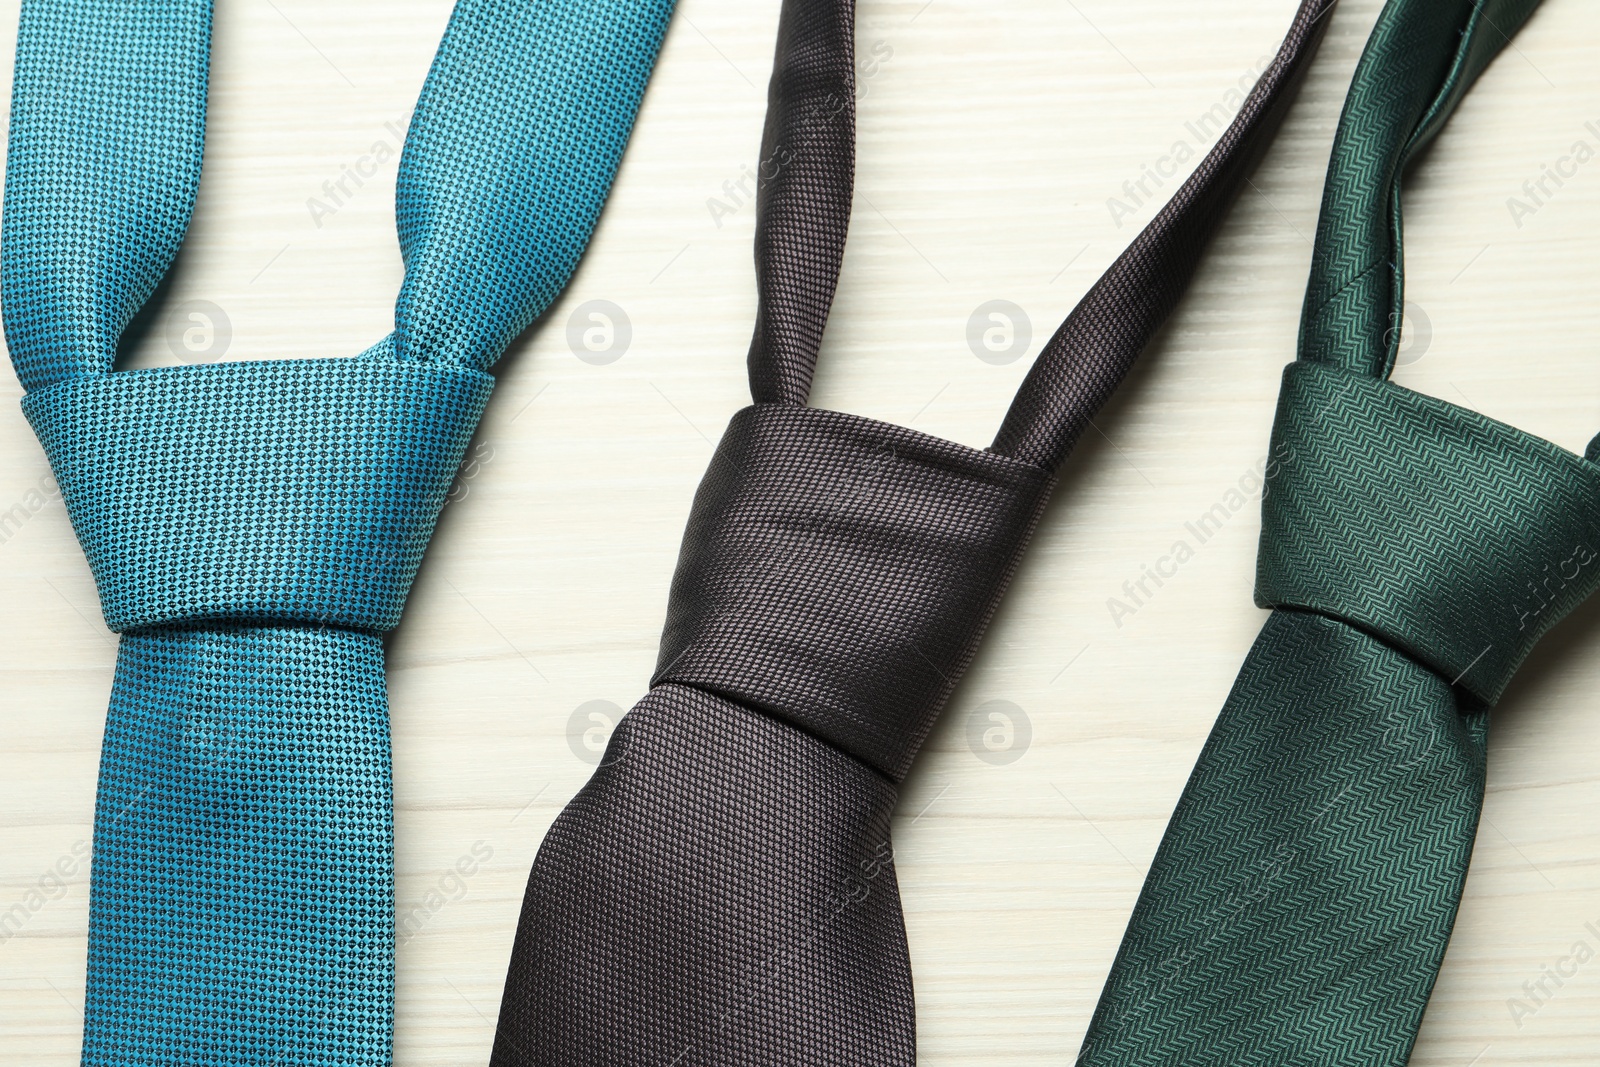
pixel 283 492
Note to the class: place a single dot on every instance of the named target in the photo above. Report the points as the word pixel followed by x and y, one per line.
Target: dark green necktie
pixel 1300 904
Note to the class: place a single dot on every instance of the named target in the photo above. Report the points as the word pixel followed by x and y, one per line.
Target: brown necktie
pixel 722 891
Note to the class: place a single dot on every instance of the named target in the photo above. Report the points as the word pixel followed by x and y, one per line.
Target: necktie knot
pixel 276 492
pixel 840 572
pixel 1458 539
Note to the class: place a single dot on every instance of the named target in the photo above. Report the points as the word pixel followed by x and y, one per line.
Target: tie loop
pixel 865 645
pixel 287 491
pixel 1429 56
pixel 506 166
pixel 1458 539
pixel 807 175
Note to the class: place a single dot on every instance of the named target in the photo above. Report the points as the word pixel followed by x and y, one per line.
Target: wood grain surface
pixel 994 138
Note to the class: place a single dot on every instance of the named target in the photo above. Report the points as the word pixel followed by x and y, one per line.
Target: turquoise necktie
pixel 253 528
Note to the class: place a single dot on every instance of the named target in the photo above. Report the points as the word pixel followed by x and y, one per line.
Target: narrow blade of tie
pixel 1300 904
pixel 722 891
pixel 253 528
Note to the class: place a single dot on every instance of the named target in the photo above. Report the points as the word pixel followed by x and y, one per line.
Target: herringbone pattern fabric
pixel 1302 899
pixel 722 891
pixel 1455 538
pixel 1292 916
pixel 1429 54
pixel 254 528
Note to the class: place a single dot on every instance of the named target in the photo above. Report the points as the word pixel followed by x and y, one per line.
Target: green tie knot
pixel 1458 539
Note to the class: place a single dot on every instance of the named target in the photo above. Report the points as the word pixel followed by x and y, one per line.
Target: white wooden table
pixel 992 136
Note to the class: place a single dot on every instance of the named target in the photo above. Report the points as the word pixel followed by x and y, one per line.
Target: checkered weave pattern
pixel 722 891
pixel 1301 902
pixel 810 530
pixel 163 470
pixel 254 528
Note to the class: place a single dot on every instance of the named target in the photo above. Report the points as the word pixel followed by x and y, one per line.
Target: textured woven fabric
pixel 511 153
pixel 258 490
pixel 108 120
pixel 839 573
pixel 803 197
pixel 1455 538
pixel 1302 899
pixel 757 876
pixel 722 891
pixel 243 866
pixel 253 528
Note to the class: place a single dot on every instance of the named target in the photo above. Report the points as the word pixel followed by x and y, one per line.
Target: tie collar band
pixel 839 572
pixel 1458 539
pixel 297 491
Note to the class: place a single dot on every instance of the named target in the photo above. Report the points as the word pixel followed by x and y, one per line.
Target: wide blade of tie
pixel 1301 902
pixel 253 528
pixel 722 891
